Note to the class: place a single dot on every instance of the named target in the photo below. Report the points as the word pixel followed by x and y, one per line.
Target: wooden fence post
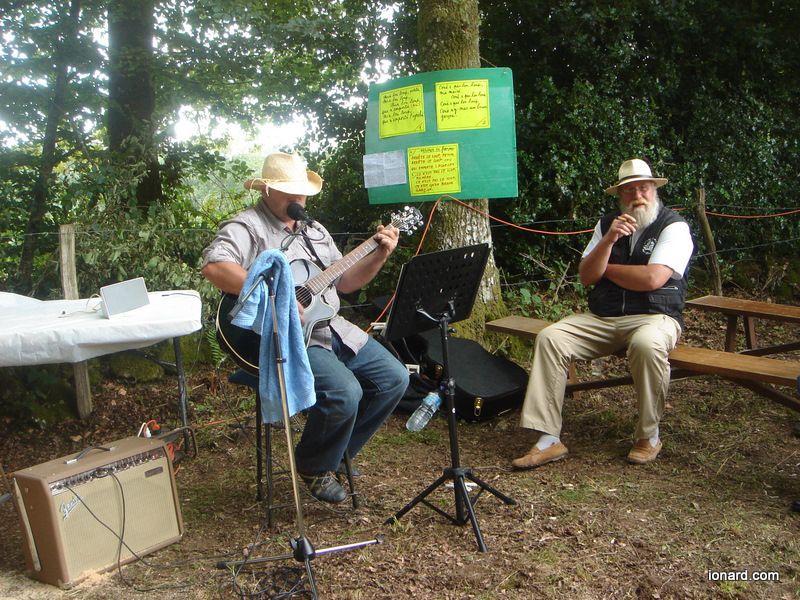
pixel 69 285
pixel 711 259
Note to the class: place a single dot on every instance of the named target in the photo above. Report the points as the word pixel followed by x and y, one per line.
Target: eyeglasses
pixel 634 189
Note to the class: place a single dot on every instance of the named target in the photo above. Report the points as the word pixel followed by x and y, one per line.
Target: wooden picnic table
pixel 749 311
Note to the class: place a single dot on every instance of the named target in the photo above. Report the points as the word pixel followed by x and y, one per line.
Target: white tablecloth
pixel 36 332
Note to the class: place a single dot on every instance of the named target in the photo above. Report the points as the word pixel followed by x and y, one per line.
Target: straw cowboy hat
pixel 286 173
pixel 635 170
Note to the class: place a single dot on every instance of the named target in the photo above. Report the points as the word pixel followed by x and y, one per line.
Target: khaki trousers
pixel 648 338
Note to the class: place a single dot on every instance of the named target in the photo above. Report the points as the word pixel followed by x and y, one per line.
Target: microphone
pixel 296 212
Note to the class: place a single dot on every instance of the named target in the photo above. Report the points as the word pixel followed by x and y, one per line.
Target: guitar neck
pixel 319 283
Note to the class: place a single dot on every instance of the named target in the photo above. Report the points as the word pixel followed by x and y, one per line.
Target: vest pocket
pixel 667 300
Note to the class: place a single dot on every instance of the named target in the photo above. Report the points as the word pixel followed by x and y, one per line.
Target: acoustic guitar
pixel 310 283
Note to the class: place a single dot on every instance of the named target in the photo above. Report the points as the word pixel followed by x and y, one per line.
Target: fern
pixel 218 356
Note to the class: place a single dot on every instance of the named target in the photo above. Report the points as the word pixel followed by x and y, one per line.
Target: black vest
pixel 607 299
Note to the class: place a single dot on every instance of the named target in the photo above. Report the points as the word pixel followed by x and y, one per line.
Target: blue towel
pixel 256 314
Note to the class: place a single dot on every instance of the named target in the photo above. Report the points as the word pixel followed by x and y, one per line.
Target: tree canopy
pixel 703 90
pixel 117 73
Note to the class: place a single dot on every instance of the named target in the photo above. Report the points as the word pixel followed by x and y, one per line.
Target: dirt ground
pixel 591 526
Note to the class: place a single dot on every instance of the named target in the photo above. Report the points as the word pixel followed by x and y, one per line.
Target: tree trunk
pixel 48 162
pixel 448 34
pixel 131 94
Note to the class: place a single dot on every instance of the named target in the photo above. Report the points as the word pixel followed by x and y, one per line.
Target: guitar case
pixel 486 385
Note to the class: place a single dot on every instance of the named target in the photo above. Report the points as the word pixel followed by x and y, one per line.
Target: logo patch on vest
pixel 647 247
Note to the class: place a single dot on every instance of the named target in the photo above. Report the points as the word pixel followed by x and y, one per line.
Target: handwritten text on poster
pixel 401 111
pixel 434 170
pixel 462 104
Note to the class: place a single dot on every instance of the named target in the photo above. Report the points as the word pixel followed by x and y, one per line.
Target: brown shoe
pixel 536 458
pixel 642 452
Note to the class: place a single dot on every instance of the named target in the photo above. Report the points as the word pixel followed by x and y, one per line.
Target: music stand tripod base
pixel 438 289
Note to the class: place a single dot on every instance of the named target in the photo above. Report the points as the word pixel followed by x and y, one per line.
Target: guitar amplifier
pixel 74 510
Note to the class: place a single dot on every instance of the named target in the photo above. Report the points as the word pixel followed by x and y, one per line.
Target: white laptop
pixel 123 296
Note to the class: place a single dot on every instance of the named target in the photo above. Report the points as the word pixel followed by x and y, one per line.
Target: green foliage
pixel 163 244
pixel 251 60
pixel 41 395
pixel 218 356
pixel 700 91
pixel 232 59
pixel 34 33
pixel 703 90
pixel 706 94
pixel 547 301
pixel 18 171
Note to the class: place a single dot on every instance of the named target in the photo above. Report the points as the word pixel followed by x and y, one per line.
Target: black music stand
pixel 435 290
pixel 302 549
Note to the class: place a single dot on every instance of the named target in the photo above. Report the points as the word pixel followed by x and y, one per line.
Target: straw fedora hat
pixel 286 173
pixel 634 170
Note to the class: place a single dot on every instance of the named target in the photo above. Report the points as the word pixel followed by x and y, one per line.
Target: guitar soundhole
pixel 303 295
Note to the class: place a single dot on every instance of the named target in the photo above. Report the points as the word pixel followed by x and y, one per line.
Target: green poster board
pixel 445 132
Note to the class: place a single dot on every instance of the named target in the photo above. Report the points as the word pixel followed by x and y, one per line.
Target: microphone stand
pixel 302 548
pixel 243 298
pixel 261 276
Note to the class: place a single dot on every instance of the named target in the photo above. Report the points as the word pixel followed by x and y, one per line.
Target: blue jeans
pixel 355 395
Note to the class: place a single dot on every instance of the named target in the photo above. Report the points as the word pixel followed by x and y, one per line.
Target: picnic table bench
pixel 746 369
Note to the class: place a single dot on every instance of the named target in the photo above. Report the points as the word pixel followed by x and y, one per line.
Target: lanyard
pixel 315 257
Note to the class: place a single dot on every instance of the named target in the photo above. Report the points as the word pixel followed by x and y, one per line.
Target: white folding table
pixel 38 332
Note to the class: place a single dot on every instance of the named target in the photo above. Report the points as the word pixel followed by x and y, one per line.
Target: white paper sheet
pixel 384 168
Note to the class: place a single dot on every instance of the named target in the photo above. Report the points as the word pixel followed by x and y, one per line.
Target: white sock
pixel 546 440
pixel 654 439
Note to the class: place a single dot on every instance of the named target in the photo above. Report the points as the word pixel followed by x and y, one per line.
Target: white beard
pixel 644 215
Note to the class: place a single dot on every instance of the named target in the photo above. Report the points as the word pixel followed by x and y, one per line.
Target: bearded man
pixel 637 261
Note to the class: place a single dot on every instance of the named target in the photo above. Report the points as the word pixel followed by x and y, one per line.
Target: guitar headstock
pixel 407 220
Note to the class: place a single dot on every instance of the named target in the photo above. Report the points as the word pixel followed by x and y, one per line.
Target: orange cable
pixel 541 231
pixel 783 214
pixel 480 212
pixel 428 224
pixel 514 225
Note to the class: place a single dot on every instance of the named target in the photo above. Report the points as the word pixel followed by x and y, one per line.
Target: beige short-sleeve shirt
pixel 252 231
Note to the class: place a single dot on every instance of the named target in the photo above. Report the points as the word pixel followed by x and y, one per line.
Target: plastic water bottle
pixel 421 416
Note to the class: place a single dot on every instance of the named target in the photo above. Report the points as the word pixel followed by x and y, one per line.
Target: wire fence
pixel 496 223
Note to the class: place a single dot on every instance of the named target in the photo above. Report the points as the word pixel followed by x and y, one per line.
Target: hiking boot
pixel 536 458
pixel 642 452
pixel 323 486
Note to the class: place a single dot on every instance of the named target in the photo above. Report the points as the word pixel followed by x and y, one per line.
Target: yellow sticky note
pixel 401 111
pixel 434 170
pixel 462 104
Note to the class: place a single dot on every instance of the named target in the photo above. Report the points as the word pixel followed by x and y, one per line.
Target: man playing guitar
pixel 358 382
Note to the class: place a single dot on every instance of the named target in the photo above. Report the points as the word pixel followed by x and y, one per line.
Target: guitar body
pixel 243 344
pixel 317 310
pixel 311 282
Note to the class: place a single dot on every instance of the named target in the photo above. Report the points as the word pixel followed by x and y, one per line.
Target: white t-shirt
pixel 673 248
